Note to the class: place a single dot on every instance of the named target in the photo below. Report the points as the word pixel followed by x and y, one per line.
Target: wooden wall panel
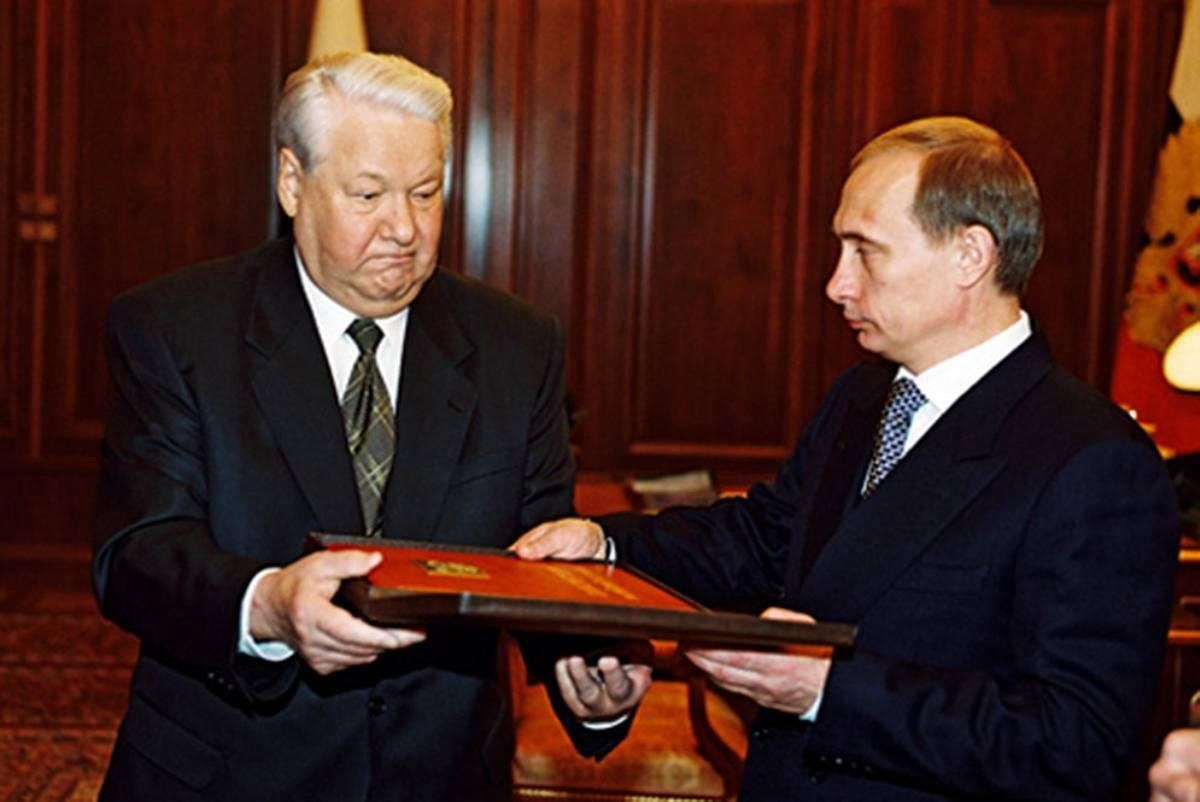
pixel 165 158
pixel 1060 121
pixel 719 187
pixel 553 147
pixel 899 75
pixel 689 298
pixel 611 185
pixel 10 299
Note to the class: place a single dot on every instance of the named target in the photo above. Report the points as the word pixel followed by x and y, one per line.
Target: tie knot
pixel 366 334
pixel 904 399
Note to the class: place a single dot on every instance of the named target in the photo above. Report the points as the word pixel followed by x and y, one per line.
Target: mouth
pixel 390 260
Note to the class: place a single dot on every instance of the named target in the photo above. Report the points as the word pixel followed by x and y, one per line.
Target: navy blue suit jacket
pixel 225 447
pixel 1011 581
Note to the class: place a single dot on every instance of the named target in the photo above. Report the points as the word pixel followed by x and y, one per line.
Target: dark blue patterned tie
pixel 370 425
pixel 903 401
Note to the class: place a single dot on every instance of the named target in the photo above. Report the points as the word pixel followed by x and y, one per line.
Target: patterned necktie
pixel 370 425
pixel 903 401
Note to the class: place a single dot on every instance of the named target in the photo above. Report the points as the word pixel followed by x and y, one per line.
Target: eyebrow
pixel 856 237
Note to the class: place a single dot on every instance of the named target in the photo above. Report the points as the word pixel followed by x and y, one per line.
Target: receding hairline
pixel 928 135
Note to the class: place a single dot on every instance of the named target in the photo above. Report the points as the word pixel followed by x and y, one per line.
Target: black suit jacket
pixel 225 447
pixel 1011 581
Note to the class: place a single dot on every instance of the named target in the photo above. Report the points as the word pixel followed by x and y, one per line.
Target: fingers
pixel 781 614
pixel 778 680
pixel 605 691
pixel 336 640
pixel 294 605
pixel 576 685
pixel 727 669
pixel 407 637
pixel 616 683
pixel 565 539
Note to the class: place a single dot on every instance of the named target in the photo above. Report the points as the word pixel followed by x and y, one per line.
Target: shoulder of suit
pixel 200 294
pixel 1075 408
pixel 477 302
pixel 214 278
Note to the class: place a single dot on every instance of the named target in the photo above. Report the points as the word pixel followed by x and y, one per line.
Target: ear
pixel 289 181
pixel 975 254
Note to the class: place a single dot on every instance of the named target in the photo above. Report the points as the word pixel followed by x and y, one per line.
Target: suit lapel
pixel 837 486
pixel 879 538
pixel 294 390
pixel 436 401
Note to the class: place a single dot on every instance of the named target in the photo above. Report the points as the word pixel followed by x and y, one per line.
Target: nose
pixel 841 285
pixel 396 223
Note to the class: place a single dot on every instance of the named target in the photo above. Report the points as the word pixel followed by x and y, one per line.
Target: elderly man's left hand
pixel 791 680
pixel 610 688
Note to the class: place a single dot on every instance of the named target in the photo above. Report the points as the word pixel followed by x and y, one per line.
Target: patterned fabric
pixel 903 401
pixel 370 424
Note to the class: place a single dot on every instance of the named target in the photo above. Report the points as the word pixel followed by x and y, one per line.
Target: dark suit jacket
pixel 1011 582
pixel 225 447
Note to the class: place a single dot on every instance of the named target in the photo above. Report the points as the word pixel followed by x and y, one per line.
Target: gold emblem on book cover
pixel 449 568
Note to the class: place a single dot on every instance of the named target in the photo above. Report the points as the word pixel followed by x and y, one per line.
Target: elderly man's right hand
pixel 294 605
pixel 564 539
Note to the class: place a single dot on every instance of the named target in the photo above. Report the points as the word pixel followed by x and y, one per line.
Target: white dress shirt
pixel 945 382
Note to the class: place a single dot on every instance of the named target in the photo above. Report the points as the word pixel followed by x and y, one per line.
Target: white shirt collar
pixel 946 381
pixel 333 319
pixel 341 352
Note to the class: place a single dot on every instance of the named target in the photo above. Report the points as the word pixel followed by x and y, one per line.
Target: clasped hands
pixel 790 680
pixel 294 605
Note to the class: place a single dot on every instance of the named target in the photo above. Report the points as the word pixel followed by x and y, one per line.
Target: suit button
pixel 376 706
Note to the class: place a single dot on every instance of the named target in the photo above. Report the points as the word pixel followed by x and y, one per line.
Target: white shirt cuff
pixel 276 651
pixel 605 725
pixel 811 713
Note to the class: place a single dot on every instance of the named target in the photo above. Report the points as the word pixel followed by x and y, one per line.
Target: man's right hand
pixel 294 605
pixel 564 539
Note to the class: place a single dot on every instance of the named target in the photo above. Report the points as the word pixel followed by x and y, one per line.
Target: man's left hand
pixel 790 681
pixel 606 690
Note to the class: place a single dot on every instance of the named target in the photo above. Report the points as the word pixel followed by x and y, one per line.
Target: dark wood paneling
pixel 716 228
pixel 10 301
pixel 497 119
pixel 1055 111
pixel 553 150
pixel 164 159
pixel 901 77
pixel 612 186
